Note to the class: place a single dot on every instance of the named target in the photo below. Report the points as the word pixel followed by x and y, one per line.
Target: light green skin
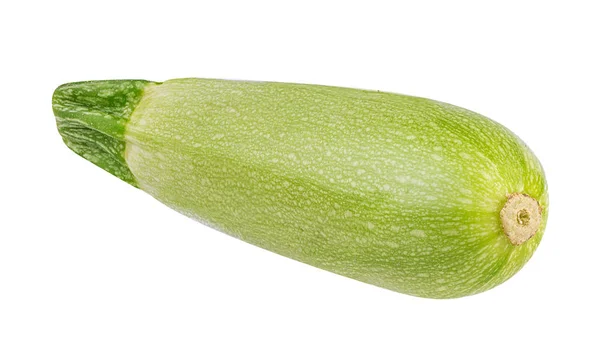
pixel 396 191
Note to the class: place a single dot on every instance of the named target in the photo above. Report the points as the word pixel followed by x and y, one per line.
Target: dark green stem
pixel 91 118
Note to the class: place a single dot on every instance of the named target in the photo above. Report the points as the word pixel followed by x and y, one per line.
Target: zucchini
pixel 406 193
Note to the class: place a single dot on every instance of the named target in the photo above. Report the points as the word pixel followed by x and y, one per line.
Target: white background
pixel 88 263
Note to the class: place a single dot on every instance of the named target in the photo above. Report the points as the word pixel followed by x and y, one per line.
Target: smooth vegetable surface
pixel 406 193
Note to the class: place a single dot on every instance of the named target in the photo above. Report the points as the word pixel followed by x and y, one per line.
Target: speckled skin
pixel 393 190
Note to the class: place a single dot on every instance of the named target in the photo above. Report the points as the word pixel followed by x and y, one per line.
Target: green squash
pixel 406 193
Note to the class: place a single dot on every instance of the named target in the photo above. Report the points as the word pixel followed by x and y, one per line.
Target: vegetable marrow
pixel 406 193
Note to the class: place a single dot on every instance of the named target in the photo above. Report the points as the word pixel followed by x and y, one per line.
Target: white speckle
pixel 465 201
pixel 348 214
pixel 386 187
pixel 466 191
pixel 418 233
pixel 390 244
pixel 465 156
pixel 486 175
pixel 218 136
pixel 371 226
pixel 396 228
pixel 402 179
pixel 410 137
pixel 360 171
pixel 437 157
pixel 430 197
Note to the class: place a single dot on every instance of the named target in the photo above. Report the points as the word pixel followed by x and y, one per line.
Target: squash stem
pixel 91 118
pixel 521 218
